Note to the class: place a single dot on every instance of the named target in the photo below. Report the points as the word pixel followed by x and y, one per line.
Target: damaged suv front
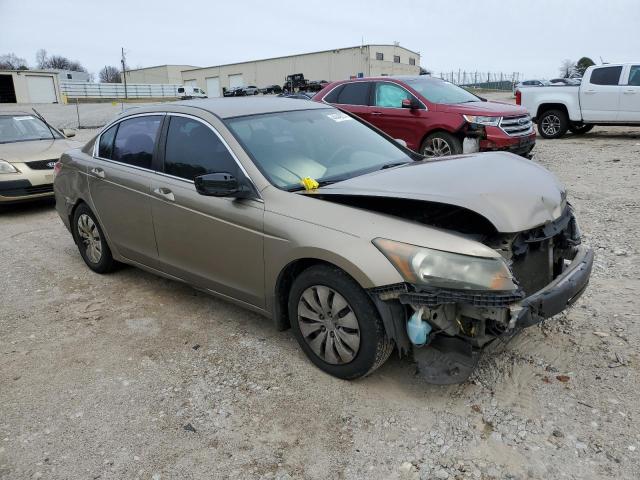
pixel 457 304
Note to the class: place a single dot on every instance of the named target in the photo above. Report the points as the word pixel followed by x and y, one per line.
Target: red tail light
pixel 56 168
pixel 518 97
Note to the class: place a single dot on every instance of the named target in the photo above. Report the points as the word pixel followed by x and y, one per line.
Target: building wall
pixel 21 87
pixel 331 65
pixel 170 74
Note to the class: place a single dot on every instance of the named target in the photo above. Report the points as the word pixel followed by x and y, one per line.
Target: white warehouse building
pixel 329 65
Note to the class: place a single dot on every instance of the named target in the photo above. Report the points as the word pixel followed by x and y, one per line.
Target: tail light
pixel 518 97
pixel 56 168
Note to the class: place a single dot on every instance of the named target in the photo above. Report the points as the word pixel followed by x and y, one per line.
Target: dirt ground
pixel 129 375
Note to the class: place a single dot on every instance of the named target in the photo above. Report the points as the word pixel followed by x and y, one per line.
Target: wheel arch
pixel 544 107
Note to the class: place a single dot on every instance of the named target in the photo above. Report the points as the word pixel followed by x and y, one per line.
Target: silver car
pixel 324 224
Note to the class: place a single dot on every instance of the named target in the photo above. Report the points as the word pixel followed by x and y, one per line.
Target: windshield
pixel 21 128
pixel 440 91
pixel 323 144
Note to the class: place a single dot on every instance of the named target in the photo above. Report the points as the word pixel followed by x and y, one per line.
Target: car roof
pixel 241 106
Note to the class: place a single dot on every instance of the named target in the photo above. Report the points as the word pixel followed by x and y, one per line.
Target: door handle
pixel 630 91
pixel 590 91
pixel 98 172
pixel 376 113
pixel 165 193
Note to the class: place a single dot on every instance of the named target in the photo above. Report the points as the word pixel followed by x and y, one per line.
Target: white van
pixel 185 92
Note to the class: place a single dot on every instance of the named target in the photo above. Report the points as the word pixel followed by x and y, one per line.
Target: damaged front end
pixel 446 321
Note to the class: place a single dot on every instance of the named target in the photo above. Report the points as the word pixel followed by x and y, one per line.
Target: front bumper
pixel 497 139
pixel 563 291
pixel 13 191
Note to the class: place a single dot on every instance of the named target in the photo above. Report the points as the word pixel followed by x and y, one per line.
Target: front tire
pixel 91 241
pixel 440 144
pixel 553 124
pixel 336 324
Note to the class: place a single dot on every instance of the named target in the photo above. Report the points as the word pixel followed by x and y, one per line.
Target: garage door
pixel 235 81
pixel 41 89
pixel 213 87
pixel 191 83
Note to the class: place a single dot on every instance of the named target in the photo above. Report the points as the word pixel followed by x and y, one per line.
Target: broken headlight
pixel 480 120
pixel 436 268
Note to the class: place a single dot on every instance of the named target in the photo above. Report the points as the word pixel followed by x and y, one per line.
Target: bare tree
pixel 41 58
pixel 110 74
pixel 567 68
pixel 10 61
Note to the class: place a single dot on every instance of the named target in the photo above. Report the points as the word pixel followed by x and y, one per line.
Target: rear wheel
pixel 580 128
pixel 336 324
pixel 440 144
pixel 553 124
pixel 91 241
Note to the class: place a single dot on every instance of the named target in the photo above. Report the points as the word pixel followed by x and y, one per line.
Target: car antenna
pixel 39 115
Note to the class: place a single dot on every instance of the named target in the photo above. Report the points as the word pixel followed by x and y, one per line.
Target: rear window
pixel 356 93
pixel 606 75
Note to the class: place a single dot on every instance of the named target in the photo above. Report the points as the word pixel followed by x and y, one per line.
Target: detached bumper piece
pixel 560 293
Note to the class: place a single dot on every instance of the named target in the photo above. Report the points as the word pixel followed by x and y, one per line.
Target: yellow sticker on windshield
pixel 309 183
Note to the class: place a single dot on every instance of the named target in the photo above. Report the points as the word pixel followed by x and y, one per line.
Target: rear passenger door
pixel 215 243
pixel 119 181
pixel 352 97
pixel 600 97
pixel 630 96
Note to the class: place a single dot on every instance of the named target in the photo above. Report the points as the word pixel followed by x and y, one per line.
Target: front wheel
pixel 553 124
pixel 336 324
pixel 580 128
pixel 440 144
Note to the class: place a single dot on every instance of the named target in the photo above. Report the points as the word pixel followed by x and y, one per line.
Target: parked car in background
pixel 233 92
pixel 29 150
pixel 608 95
pixel 434 117
pixel 316 85
pixel 272 89
pixel 299 95
pixel 315 219
pixel 250 90
pixel 527 83
pixel 563 81
pixel 186 92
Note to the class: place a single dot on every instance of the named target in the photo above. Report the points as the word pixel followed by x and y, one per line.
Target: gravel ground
pixel 132 376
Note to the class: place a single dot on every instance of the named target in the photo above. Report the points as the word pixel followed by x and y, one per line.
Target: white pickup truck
pixel 608 95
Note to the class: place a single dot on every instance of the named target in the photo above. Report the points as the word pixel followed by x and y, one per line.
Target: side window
pixel 634 76
pixel 105 147
pixel 412 61
pixel 379 56
pixel 180 89
pixel 606 75
pixel 390 95
pixel 332 96
pixel 356 93
pixel 396 59
pixel 193 149
pixel 136 139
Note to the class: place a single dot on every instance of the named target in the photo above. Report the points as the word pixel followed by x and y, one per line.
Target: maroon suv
pixel 433 116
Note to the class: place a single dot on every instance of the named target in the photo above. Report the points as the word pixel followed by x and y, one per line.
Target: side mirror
pixel 68 132
pixel 401 142
pixel 221 184
pixel 410 103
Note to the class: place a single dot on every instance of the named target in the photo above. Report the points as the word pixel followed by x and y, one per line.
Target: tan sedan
pixel 29 149
pixel 320 222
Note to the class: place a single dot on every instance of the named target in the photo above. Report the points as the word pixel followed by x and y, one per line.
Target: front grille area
pixel 42 164
pixel 517 126
pixel 21 188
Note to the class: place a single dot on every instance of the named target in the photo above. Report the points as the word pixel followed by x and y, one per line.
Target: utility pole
pixel 124 73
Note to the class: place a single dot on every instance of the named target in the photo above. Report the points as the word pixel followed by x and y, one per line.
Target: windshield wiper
pixel 321 183
pixel 42 119
pixel 391 165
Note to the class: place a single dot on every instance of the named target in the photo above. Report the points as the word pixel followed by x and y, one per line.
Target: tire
pixel 91 242
pixel 440 144
pixel 553 124
pixel 580 129
pixel 354 316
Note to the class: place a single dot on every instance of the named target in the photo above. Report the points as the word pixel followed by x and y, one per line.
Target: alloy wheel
pixel 328 325
pixel 550 125
pixel 437 147
pixel 90 236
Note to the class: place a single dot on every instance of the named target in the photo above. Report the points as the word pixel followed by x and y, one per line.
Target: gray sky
pixel 531 36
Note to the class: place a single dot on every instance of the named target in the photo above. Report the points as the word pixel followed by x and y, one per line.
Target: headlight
pixel 425 266
pixel 6 167
pixel 490 121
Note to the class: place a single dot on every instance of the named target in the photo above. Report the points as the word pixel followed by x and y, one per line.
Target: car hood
pixel 484 108
pixel 512 193
pixel 20 152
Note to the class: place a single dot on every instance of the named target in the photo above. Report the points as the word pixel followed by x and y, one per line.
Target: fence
pixel 117 90
pixel 485 80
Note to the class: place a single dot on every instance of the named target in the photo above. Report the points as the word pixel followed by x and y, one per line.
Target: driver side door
pixel 215 243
